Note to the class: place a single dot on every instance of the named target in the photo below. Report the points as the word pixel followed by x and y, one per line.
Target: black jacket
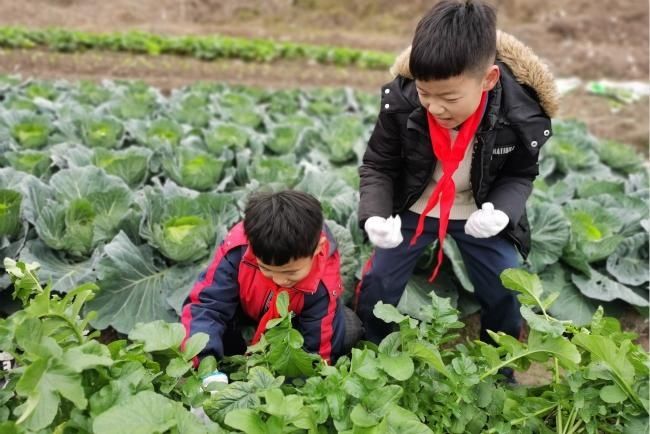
pixel 398 163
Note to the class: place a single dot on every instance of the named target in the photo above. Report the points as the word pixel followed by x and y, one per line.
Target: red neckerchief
pixel 450 157
pixel 307 285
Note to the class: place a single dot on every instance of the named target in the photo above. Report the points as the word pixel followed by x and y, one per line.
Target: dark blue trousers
pixel 389 270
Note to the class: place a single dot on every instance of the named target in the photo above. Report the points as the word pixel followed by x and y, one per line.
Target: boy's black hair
pixel 283 226
pixel 453 38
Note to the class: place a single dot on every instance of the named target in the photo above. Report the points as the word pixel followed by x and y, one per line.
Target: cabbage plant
pixel 184 225
pixel 32 131
pixel 102 132
pixel 131 164
pixel 193 168
pixel 88 207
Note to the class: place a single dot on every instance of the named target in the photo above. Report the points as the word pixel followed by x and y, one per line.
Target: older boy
pixel 454 151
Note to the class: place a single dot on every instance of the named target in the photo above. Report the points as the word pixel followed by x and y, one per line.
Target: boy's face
pixel 451 101
pixel 287 275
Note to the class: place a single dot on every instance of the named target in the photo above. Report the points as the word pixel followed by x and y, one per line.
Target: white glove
pixel 209 381
pixel 384 233
pixel 486 222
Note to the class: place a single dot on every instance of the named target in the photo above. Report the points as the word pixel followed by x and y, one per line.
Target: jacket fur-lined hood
pixel 527 68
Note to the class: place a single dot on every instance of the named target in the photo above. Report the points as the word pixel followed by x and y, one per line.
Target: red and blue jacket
pixel 233 280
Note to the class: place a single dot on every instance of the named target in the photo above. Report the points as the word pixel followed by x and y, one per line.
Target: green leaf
pixel 382 399
pixel 453 253
pixel 614 359
pixel 571 303
pixel 388 313
pixel 44 384
pixel 571 147
pixel 262 378
pixel 549 233
pixel 286 354
pixel 194 169
pixel 400 366
pixel 603 288
pixel 10 223
pixel 184 225
pixel 401 421
pixel 342 135
pixel 619 156
pixel 177 367
pixel 429 354
pixel 364 364
pixel 361 417
pixel 132 288
pixel 284 138
pixel 540 323
pixel 612 394
pixel 158 335
pixel 102 132
pixel 629 263
pixel 90 206
pixel 235 396
pixel 226 136
pixel 337 198
pixel 32 131
pixel 194 345
pixel 62 273
pixel 87 355
pixel 527 284
pixel 131 165
pixel 594 229
pixel 144 413
pixel 636 425
pixel 284 170
pixel 246 420
pixel 282 303
pixel 540 348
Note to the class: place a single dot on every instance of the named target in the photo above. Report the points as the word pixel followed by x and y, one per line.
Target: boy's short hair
pixel 282 226
pixel 453 38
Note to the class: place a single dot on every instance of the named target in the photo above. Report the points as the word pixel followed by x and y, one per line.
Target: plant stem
pixel 558 420
pixel 537 413
pixel 68 321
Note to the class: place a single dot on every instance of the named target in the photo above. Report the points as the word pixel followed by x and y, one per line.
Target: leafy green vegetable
pixel 32 131
pixel 10 201
pixel 35 163
pixel 131 164
pixel 194 169
pixel 183 228
pixel 102 132
pixel 225 136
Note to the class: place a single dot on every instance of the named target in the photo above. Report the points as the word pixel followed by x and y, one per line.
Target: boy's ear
pixel 491 77
pixel 320 246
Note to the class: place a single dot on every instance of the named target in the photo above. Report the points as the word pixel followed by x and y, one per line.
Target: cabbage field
pixel 121 185
pixel 120 193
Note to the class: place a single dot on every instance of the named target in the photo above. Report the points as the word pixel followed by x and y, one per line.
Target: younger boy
pixel 454 151
pixel 281 245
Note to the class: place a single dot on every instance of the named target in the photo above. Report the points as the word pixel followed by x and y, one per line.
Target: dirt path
pixel 587 38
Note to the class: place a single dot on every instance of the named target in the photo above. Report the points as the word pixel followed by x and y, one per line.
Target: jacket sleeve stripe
pixel 186 317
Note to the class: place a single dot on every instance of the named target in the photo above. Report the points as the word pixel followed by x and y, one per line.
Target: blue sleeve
pixel 321 324
pixel 213 302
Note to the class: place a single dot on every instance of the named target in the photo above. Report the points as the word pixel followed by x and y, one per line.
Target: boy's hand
pixel 486 222
pixel 384 233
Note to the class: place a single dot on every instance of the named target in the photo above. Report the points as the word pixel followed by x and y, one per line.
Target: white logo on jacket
pixel 502 150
